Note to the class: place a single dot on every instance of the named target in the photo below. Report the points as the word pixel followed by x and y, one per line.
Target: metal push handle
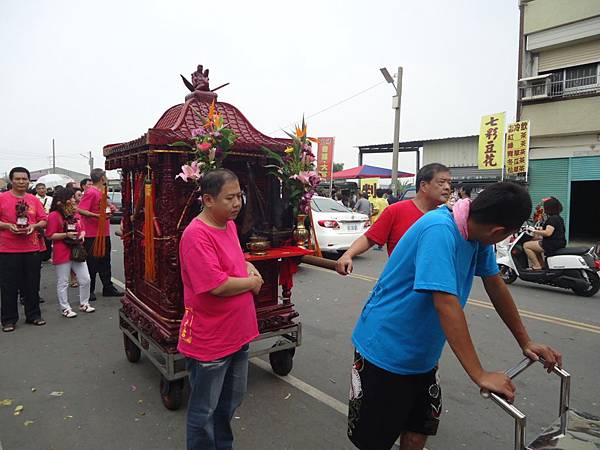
pixel 515 413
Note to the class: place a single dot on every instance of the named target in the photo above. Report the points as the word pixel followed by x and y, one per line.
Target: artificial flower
pixel 198 132
pixel 204 147
pixel 300 132
pixel 189 172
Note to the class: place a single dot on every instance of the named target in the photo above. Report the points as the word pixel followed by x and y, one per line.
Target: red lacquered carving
pixel 157 306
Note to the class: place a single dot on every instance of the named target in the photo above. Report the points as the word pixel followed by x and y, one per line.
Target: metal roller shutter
pixel 585 169
pixel 573 55
pixel 550 177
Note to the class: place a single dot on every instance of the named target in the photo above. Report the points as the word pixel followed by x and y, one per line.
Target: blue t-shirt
pixel 399 329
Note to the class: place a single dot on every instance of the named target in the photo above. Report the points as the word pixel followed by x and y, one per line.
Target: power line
pixel 334 105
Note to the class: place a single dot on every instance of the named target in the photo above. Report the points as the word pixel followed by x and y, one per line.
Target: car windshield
pixel 327 205
pixel 409 194
pixel 115 197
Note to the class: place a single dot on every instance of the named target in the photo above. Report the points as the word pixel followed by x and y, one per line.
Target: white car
pixel 336 226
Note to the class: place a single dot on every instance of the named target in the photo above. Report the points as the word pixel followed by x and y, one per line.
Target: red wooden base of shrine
pixel 273 312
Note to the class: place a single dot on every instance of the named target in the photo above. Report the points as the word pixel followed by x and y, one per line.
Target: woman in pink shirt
pixel 220 318
pixel 64 229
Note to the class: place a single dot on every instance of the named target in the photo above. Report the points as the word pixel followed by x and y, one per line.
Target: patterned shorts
pixel 383 405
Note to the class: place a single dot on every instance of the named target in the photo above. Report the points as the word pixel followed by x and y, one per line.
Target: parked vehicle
pixel 409 193
pixel 336 226
pixel 116 199
pixel 573 268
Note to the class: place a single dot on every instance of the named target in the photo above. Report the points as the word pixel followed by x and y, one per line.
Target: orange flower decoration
pixel 300 132
pixel 211 115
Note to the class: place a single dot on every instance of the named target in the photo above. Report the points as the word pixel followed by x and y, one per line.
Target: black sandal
pixel 37 322
pixel 8 328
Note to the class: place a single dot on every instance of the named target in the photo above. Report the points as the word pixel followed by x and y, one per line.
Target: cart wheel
pixel 132 352
pixel 171 393
pixel 282 361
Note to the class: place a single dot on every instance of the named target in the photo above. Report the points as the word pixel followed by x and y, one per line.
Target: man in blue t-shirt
pixel 417 304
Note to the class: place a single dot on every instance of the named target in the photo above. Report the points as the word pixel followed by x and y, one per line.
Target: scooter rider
pixel 552 234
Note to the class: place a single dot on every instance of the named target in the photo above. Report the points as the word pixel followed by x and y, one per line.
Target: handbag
pixel 78 253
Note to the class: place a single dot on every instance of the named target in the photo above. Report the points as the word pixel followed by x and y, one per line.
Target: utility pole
pixel 53 157
pixel 396 146
pixel 90 159
pixel 396 101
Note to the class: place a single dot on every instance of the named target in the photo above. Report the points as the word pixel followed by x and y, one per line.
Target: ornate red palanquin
pixel 157 306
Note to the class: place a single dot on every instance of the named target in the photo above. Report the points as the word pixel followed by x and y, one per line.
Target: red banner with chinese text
pixel 325 157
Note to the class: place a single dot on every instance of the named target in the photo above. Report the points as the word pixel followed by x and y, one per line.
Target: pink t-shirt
pixel 20 243
pixel 213 327
pixel 61 252
pixel 91 202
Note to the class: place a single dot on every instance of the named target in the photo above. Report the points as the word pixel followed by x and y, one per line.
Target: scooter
pixel 573 268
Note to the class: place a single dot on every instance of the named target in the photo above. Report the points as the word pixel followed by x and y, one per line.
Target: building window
pixel 579 80
pixel 557 83
pixel 582 76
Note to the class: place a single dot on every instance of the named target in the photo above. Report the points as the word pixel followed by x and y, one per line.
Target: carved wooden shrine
pixel 156 306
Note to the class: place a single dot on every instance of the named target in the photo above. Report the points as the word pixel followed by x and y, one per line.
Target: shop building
pixel 559 93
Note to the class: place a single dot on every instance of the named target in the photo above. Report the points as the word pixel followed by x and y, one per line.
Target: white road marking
pixel 289 379
pixel 315 393
pixel 312 391
pixel 118 283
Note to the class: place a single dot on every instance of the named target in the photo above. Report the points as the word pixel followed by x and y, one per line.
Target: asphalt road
pixel 109 403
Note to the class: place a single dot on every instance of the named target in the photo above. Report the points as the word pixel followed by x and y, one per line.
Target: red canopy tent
pixel 365 171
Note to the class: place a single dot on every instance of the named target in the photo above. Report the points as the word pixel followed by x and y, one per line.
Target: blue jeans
pixel 217 389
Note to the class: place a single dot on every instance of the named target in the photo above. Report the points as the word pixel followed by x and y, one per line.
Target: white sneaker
pixel 69 313
pixel 87 308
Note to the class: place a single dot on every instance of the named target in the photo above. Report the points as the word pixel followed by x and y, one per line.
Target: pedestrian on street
pixel 40 193
pixel 220 319
pixel 464 191
pixel 433 189
pixel 379 204
pixel 552 235
pixel 363 206
pixel 65 230
pixel 78 194
pixel 22 217
pixel 417 304
pixel 46 200
pixel 89 208
pixel 391 198
pixel 85 184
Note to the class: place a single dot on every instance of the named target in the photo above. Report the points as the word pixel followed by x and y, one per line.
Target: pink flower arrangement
pixel 296 170
pixel 210 142
pixel 190 172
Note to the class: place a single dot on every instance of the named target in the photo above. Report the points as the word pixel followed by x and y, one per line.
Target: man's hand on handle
pixel 550 356
pixel 499 383
pixel 343 265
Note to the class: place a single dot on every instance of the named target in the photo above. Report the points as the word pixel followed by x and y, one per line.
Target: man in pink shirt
pixel 220 318
pixel 22 216
pixel 89 209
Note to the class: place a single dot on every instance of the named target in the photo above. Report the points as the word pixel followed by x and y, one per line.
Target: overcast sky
pixel 88 73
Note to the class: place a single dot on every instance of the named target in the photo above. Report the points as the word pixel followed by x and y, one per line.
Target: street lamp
pixel 90 159
pixel 396 106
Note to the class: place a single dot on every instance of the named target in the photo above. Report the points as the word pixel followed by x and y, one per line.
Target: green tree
pixel 338 166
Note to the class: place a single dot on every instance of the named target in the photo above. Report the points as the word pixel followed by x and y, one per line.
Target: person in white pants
pixel 64 230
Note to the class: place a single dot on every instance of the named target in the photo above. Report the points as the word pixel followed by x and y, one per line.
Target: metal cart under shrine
pixel 152 308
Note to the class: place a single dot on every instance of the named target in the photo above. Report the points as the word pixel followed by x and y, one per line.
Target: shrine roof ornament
pixel 177 122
